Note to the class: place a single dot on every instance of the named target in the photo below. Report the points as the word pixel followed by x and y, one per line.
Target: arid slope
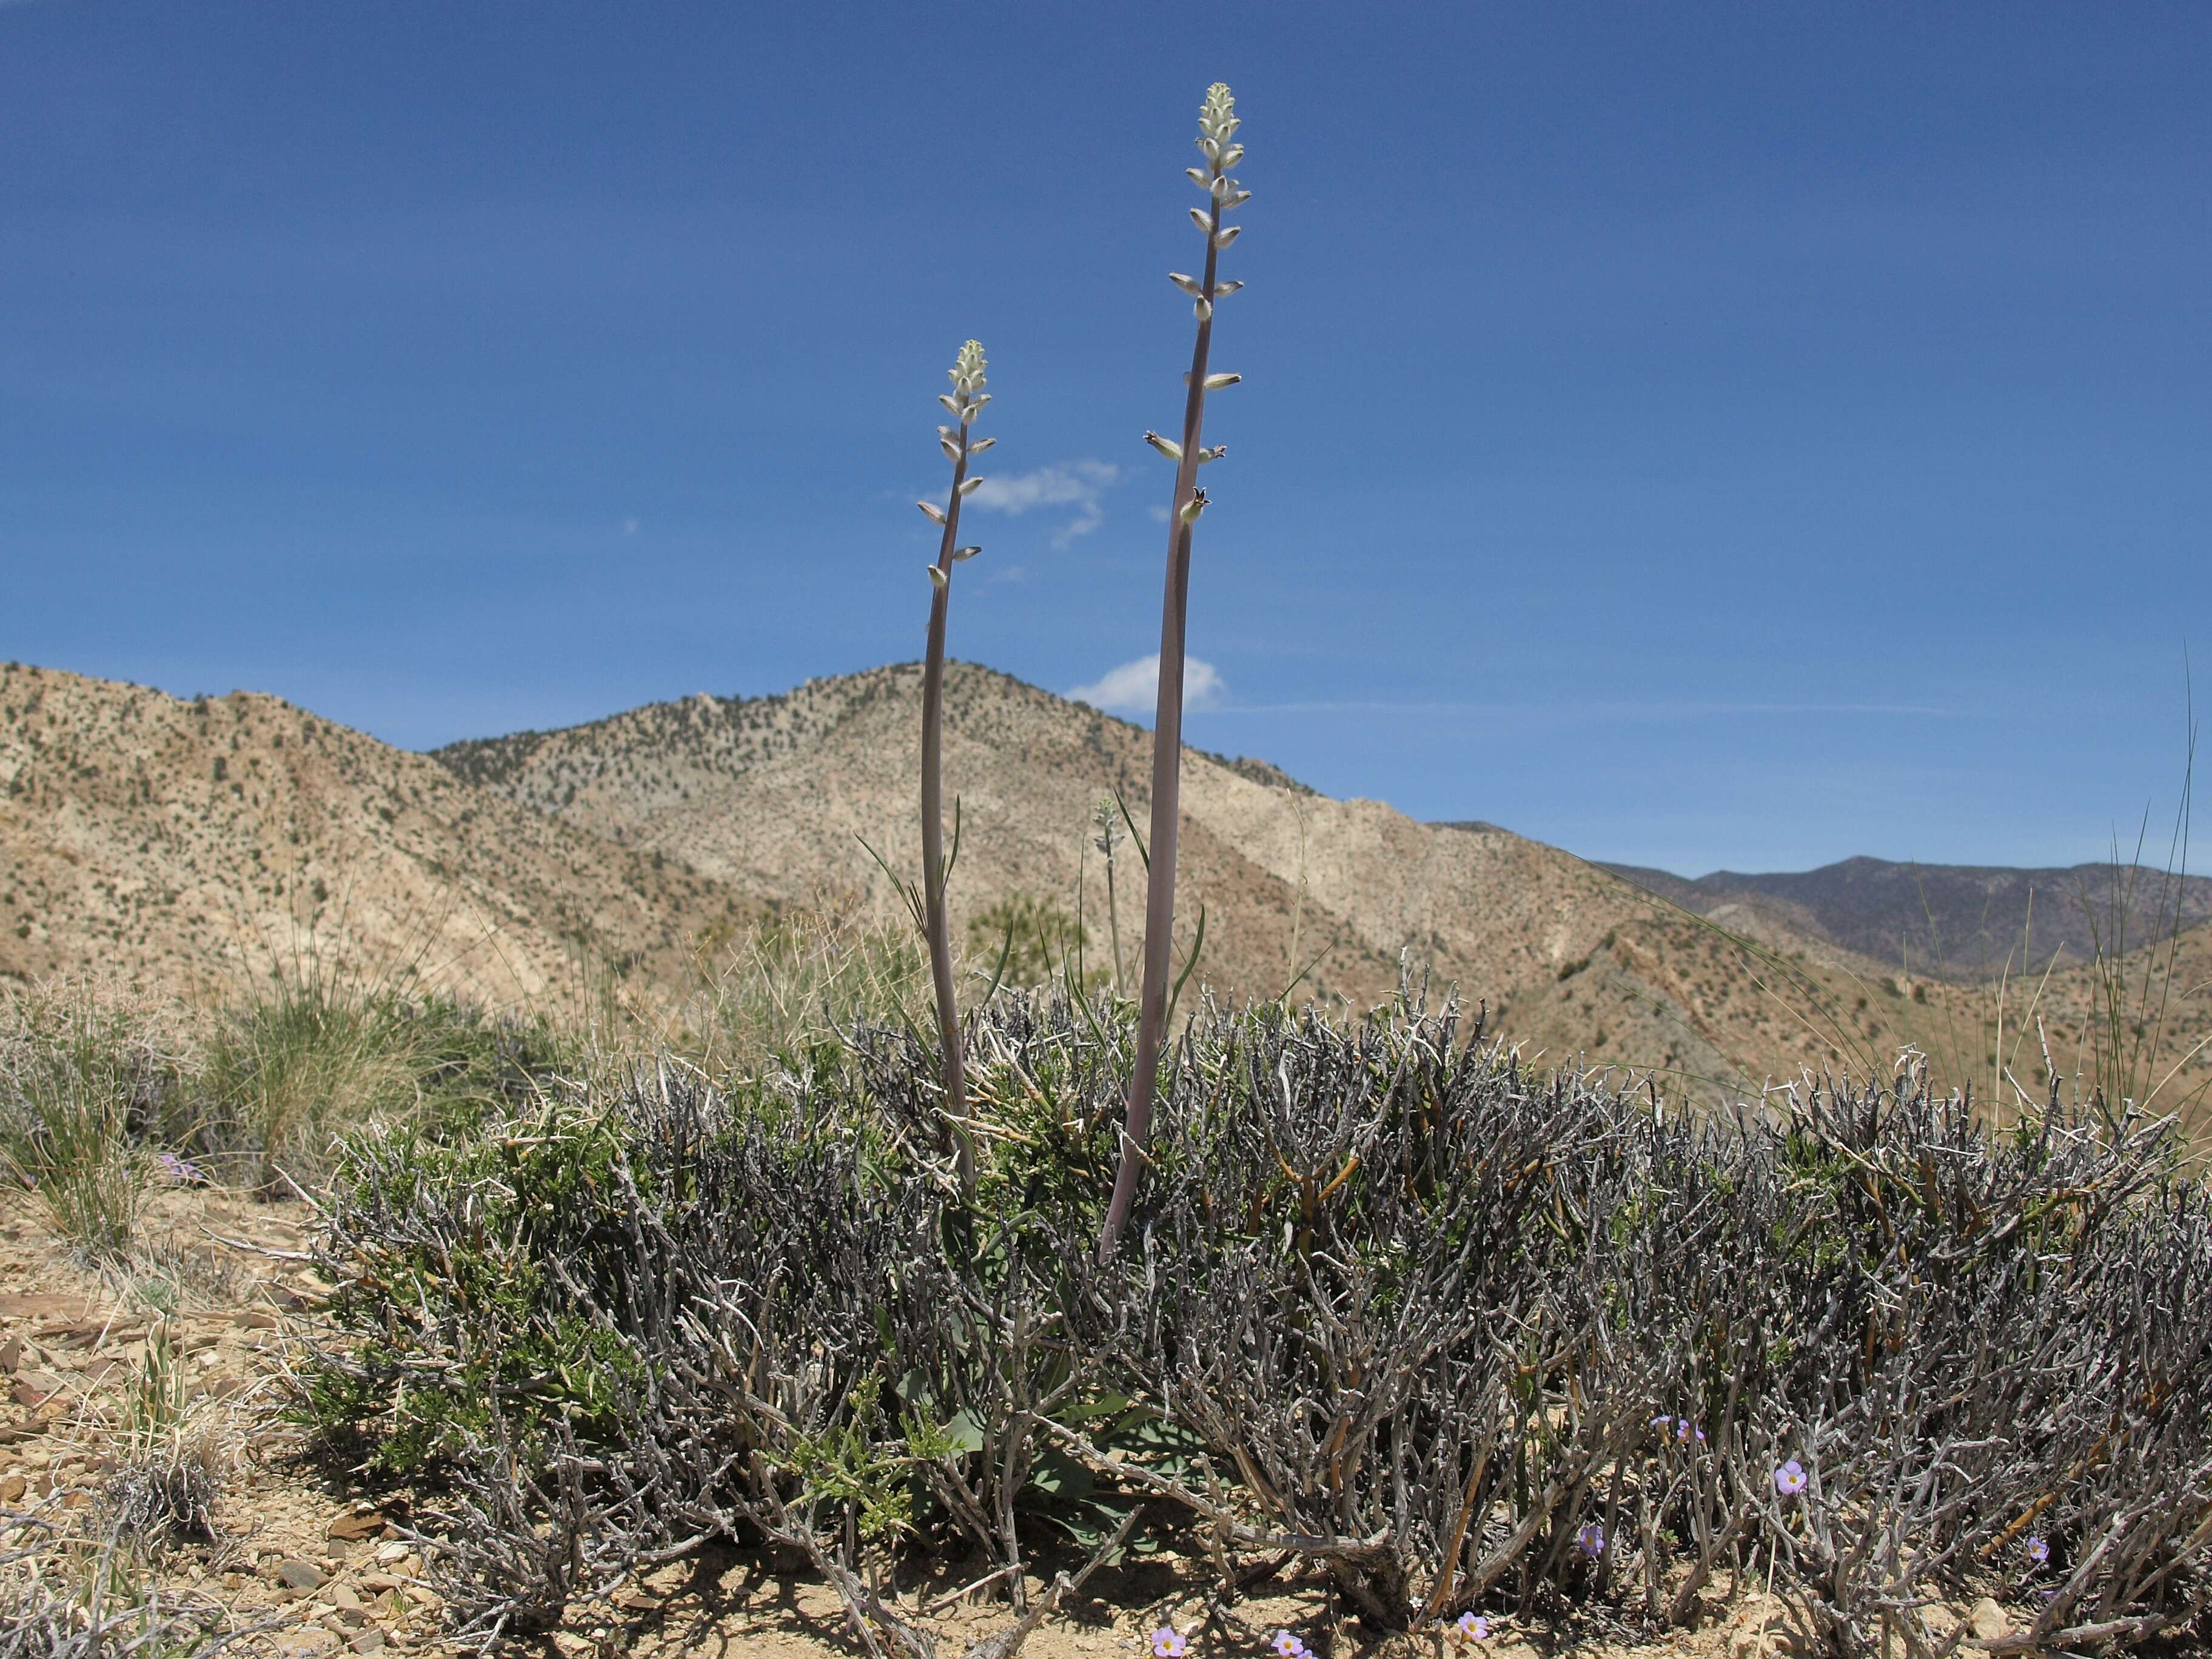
pixel 773 795
pixel 181 844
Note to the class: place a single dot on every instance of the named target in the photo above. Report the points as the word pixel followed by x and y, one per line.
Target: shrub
pixel 1457 1333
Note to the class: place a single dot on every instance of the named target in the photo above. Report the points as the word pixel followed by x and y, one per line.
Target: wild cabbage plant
pixel 1216 141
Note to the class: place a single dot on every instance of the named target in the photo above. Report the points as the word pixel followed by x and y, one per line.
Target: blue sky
pixel 1714 435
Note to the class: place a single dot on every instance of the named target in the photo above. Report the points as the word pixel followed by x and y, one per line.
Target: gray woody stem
pixel 1167 775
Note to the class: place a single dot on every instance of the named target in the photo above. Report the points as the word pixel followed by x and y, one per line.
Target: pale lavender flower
pixel 2038 1551
pixel 1288 1646
pixel 1470 1627
pixel 1591 1540
pixel 1168 1642
pixel 1790 1479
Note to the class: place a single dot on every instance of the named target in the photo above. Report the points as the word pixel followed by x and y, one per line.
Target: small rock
pixel 369 1641
pixel 1989 1620
pixel 390 1555
pixel 342 1597
pixel 11 1488
pixel 295 1574
pixel 351 1529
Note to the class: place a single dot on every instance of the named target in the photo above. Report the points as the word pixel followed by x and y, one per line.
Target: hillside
pixel 772 795
pixel 184 844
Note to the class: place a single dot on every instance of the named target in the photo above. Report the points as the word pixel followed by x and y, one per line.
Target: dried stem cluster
pixel 1456 1335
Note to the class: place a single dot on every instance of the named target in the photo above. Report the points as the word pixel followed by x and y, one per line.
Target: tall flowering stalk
pixel 1110 835
pixel 965 402
pixel 1216 141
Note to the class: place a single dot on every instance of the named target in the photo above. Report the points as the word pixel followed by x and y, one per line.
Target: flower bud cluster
pixel 1217 141
pixel 963 402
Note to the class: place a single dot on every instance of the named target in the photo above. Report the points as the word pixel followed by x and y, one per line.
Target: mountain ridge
pixel 1952 921
pixel 185 842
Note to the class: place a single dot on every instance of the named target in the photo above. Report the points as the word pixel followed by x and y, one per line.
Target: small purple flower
pixel 1590 1540
pixel 1168 1642
pixel 1680 1427
pixel 2038 1551
pixel 179 1172
pixel 1790 1479
pixel 1470 1627
pixel 1288 1646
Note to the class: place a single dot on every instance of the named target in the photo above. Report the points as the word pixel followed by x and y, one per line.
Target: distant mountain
pixel 1956 921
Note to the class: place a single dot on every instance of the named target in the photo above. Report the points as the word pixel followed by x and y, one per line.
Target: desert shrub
pixel 1542 1339
pixel 1462 1334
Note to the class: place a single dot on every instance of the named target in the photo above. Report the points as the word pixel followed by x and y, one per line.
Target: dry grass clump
pixel 67 1596
pixel 171 1461
pixel 90 1074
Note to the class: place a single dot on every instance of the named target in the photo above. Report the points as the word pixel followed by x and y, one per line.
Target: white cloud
pixel 1159 513
pixel 629 526
pixel 1078 484
pixel 1133 688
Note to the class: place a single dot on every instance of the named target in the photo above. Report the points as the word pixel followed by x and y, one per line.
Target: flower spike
pixel 963 402
pixel 1216 141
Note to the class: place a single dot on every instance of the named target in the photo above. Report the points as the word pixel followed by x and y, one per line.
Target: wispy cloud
pixel 1133 688
pixel 1078 484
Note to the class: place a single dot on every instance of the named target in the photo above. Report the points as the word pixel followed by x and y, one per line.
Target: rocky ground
pixel 305 1559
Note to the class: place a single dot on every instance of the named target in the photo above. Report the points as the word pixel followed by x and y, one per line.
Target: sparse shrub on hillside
pixel 1466 1337
pixel 1216 141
